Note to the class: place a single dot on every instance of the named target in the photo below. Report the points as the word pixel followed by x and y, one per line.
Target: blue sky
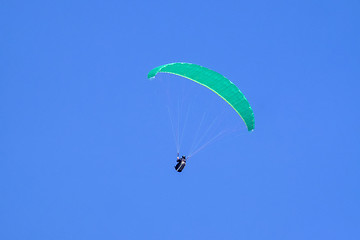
pixel 86 150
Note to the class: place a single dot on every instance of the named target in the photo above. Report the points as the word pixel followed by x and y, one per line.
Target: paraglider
pixel 217 83
pixel 181 162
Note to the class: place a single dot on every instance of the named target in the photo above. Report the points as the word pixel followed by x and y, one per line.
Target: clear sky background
pixel 86 150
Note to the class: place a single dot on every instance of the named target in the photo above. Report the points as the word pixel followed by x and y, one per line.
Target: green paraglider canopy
pixel 215 82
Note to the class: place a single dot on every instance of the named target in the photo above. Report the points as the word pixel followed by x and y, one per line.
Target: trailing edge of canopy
pixel 215 82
